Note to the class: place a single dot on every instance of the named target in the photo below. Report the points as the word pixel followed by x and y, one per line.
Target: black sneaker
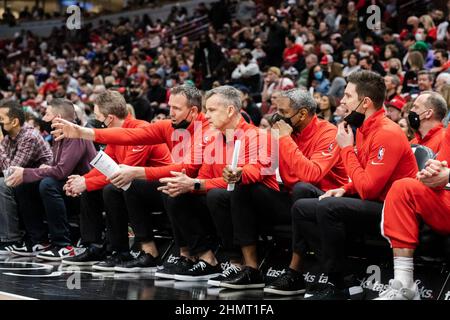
pixel 6 247
pixel 145 262
pixel 289 283
pixel 228 272
pixel 247 278
pixel 111 262
pixel 174 265
pixel 202 270
pixel 56 253
pixel 88 257
pixel 325 291
pixel 28 250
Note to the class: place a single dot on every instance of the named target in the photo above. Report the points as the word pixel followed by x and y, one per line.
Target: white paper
pixel 107 166
pixel 234 161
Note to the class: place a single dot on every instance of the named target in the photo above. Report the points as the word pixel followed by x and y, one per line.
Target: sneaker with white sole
pixel 290 283
pixel 112 261
pixel 6 247
pixel 174 265
pixel 145 262
pixel 90 256
pixel 230 271
pixel 201 271
pixel 27 250
pixel 396 291
pixel 56 253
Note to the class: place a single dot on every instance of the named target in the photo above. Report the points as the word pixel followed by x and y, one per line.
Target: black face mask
pixel 436 63
pixel 414 120
pixel 393 70
pixel 409 27
pixel 277 117
pixel 99 124
pixel 355 119
pixel 184 124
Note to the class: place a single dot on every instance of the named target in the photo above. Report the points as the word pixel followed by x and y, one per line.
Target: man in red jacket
pixel 381 156
pixel 120 206
pixel 184 136
pixel 425 117
pixel 407 203
pixel 309 165
pixel 188 205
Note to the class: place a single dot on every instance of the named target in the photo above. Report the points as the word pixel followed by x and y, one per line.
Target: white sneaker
pixel 396 291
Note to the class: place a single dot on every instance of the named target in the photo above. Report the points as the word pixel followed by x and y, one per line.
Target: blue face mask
pixel 345 61
pixel 318 75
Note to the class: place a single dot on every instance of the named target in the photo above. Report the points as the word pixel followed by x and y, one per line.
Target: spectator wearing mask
pixel 20 146
pixel 351 64
pixel 40 194
pixel 318 80
pixel 440 62
pixel 425 118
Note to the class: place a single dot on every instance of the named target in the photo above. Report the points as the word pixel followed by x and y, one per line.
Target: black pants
pixel 259 208
pixel 325 225
pixel 191 222
pixel 220 206
pixel 45 199
pixel 91 217
pixel 136 205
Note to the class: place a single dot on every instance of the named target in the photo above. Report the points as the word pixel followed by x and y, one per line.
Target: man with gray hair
pixel 425 118
pixel 189 210
pixel 309 165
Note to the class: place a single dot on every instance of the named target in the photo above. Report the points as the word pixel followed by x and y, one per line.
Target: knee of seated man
pixel 406 186
pixel 47 184
pixel 303 190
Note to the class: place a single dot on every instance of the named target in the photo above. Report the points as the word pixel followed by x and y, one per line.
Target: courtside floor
pixel 29 278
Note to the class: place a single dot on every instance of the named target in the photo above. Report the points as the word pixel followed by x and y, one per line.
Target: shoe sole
pixel 242 286
pixel 25 254
pixel 50 258
pixel 79 263
pixel 182 277
pixel 284 292
pixel 214 283
pixel 136 269
pixel 99 268
pixel 170 276
pixel 4 252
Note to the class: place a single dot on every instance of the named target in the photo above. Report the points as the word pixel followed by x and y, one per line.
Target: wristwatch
pixel 197 184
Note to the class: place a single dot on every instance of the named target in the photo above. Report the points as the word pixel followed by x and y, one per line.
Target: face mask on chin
pixel 184 124
pixel 355 119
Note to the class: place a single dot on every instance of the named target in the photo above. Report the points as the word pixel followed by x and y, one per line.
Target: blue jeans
pixel 45 199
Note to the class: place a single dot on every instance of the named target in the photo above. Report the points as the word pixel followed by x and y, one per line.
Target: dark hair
pixel 291 38
pixel 369 84
pixel 14 110
pixel 444 53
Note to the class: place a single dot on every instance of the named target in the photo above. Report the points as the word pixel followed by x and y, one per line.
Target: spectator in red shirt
pixel 293 50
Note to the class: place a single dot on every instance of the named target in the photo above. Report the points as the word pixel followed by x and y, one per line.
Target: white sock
pixel 403 271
